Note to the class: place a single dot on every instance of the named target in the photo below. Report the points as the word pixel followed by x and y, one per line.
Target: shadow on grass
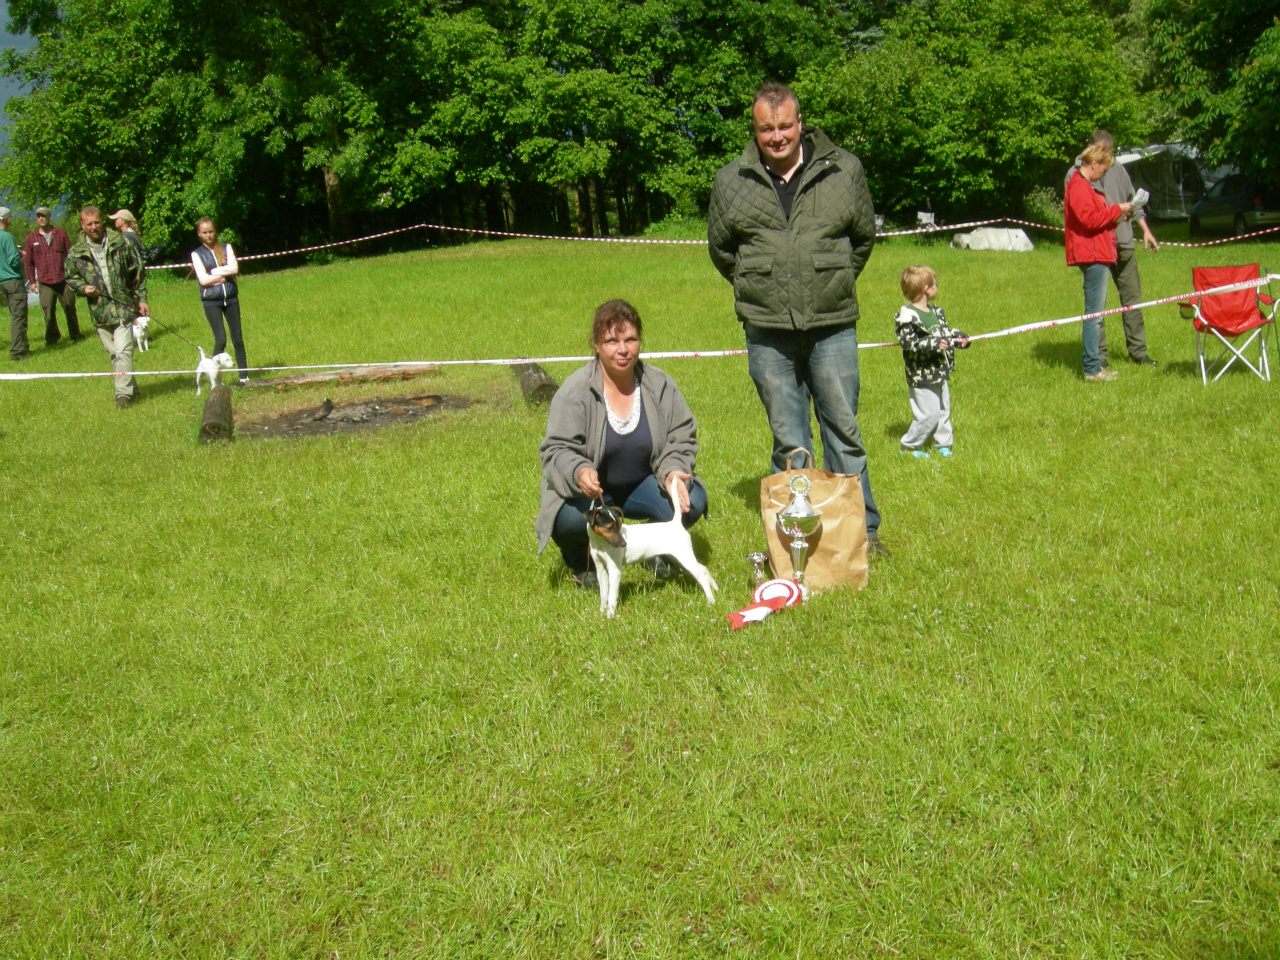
pixel 894 431
pixel 1065 355
pixel 748 491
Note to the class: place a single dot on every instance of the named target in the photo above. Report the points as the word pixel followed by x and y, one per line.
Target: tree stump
pixel 536 384
pixel 217 424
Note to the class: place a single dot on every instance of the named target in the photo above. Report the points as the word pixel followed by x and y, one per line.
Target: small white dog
pixel 140 333
pixel 613 546
pixel 211 367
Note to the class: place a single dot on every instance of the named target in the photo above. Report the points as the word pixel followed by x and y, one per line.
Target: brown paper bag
pixel 838 548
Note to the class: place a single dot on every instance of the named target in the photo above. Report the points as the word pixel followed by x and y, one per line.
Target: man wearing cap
pixel 15 292
pixel 127 224
pixel 45 253
pixel 108 272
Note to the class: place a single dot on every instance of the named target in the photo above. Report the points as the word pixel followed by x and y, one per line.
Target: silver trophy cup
pixel 798 520
pixel 759 559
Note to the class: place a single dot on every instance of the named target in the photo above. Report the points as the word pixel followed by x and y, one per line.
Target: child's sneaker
pixel 944 451
pixel 918 454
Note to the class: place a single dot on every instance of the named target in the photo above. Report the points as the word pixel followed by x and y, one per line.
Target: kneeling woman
pixel 618 429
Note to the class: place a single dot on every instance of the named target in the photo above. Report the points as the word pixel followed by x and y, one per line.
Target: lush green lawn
pixel 320 698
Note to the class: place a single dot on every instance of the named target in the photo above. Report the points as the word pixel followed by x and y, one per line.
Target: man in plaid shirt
pixel 45 253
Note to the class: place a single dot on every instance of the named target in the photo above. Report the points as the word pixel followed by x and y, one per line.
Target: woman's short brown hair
pixel 610 316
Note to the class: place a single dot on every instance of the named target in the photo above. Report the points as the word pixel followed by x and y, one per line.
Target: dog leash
pixel 131 307
pixel 175 333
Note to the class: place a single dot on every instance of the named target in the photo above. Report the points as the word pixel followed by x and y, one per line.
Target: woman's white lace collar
pixel 623 427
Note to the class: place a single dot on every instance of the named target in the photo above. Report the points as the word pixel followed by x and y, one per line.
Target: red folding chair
pixel 1230 316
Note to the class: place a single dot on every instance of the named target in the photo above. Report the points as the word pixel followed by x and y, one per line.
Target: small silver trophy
pixel 759 559
pixel 797 521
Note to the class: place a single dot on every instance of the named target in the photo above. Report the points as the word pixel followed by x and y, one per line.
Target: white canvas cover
pixel 993 238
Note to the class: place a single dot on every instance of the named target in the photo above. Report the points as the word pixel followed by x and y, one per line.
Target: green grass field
pixel 320 698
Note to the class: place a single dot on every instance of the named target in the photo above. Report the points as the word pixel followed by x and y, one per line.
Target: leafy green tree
pixel 1217 63
pixel 967 103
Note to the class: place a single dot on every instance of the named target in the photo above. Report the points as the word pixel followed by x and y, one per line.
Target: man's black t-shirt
pixel 786 189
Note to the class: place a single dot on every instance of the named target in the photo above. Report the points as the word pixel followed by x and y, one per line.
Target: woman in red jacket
pixel 1091 246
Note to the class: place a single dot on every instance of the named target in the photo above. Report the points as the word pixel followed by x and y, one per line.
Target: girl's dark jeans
pixel 214 312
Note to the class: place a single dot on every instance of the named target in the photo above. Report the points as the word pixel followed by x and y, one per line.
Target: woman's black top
pixel 626 458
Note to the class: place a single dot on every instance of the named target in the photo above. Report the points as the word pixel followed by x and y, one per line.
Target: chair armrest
pixel 1264 299
pixel 1189 309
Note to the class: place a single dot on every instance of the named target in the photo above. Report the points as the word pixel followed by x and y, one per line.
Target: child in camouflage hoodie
pixel 928 350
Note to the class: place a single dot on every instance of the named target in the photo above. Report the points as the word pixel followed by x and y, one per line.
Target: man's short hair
pixel 89 209
pixel 1103 137
pixel 916 279
pixel 775 95
pixel 1097 153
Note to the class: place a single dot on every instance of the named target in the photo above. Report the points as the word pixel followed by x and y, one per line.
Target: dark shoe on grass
pixel 661 568
pixel 123 402
pixel 875 548
pixel 585 579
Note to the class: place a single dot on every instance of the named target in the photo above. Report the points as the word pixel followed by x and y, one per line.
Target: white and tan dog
pixel 212 366
pixel 140 333
pixel 613 546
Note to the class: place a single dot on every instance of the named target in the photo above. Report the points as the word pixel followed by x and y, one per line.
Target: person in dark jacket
pixel 45 255
pixel 107 271
pixel 215 267
pixel 1091 246
pixel 791 226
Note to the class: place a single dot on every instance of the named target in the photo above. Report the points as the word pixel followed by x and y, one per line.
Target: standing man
pixel 15 292
pixel 1116 187
pixel 109 274
pixel 45 253
pixel 791 226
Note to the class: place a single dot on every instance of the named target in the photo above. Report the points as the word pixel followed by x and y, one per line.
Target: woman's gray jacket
pixel 576 428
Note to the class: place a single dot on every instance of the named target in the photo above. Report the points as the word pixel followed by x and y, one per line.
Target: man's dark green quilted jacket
pixel 794 275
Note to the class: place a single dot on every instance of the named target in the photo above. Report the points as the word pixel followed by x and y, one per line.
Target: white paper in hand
pixel 1141 197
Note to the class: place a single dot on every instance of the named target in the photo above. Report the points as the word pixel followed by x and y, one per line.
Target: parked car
pixel 1237 204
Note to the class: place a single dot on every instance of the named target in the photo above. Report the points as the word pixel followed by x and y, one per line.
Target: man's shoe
pixel 123 402
pixel 77 339
pixel 585 579
pixel 944 451
pixel 876 548
pixel 918 454
pixel 1105 375
pixel 660 567
pixel 1145 362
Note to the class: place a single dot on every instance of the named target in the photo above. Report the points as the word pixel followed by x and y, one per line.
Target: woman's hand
pixel 1125 208
pixel 682 487
pixel 589 482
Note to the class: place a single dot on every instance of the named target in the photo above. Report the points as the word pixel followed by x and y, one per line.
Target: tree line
pixel 303 121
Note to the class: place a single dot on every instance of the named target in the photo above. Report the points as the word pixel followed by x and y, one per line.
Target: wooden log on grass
pixel 217 423
pixel 536 384
pixel 357 374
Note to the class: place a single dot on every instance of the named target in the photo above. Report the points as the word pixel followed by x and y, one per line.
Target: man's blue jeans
pixel 647 501
pixel 790 366
pixel 1095 299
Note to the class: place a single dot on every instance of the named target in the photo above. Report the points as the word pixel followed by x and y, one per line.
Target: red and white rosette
pixel 769 596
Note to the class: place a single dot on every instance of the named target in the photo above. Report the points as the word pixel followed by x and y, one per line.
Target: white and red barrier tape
pixel 668 354
pixel 656 242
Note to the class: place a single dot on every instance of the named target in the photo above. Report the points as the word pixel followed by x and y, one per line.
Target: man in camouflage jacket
pixel 791 225
pixel 108 272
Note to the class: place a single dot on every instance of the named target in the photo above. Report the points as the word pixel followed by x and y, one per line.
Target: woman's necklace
pixel 623 427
